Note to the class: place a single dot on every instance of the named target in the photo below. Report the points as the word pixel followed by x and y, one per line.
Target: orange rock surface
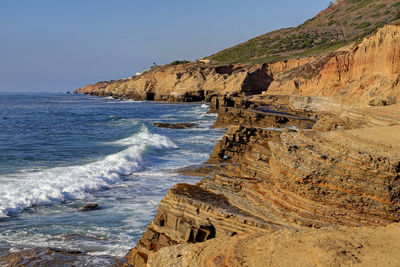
pixel 368 73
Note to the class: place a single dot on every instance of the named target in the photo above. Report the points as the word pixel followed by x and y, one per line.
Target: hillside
pixel 341 23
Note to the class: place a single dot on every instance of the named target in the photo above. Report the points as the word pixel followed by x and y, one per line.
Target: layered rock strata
pixel 269 183
pixel 239 111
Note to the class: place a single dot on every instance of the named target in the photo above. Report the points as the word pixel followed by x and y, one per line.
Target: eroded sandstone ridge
pixel 195 81
pixel 185 82
pixel 279 189
pixel 363 74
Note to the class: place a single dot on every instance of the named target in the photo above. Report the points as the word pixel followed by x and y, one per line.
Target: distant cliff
pixel 362 74
pixel 189 82
pixel 182 82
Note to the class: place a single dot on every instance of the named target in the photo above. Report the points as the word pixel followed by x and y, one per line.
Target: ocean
pixel 61 151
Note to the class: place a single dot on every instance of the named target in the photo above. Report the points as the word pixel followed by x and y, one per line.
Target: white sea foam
pixel 77 182
pixel 155 140
pixel 131 101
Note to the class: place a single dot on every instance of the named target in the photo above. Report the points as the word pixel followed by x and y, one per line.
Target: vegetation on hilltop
pixel 178 62
pixel 341 23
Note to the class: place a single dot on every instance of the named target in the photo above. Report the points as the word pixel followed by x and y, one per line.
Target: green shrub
pixel 365 3
pixel 178 62
pixel 364 25
pixel 379 6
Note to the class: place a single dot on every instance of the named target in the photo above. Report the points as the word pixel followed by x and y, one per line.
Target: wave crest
pixel 77 182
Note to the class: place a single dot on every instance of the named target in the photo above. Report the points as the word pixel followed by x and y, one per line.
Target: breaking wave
pixel 60 184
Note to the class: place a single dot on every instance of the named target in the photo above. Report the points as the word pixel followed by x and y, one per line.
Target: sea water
pixel 60 151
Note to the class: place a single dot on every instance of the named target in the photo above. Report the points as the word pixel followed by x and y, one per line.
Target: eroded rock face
pixel 239 111
pixel 342 176
pixel 176 83
pixel 238 141
pixel 193 82
pixel 193 214
pixel 367 73
pixel 279 185
pixel 367 246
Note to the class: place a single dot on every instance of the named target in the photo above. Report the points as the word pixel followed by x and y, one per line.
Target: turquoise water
pixel 58 152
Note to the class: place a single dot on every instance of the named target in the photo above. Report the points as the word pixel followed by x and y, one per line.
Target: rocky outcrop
pixel 273 187
pixel 239 111
pixel 372 246
pixel 55 257
pixel 192 214
pixel 90 207
pixel 180 125
pixel 339 177
pixel 238 141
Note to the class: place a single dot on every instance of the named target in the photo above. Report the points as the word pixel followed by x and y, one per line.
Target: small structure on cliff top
pixel 207 61
pixel 140 73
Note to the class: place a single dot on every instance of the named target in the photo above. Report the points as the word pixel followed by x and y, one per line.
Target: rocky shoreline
pixel 307 174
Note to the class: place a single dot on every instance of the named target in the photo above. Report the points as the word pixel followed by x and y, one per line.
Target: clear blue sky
pixel 60 45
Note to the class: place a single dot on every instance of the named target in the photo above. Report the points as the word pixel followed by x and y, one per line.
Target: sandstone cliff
pixel 361 74
pixel 193 81
pixel 189 82
pixel 183 82
pixel 368 73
